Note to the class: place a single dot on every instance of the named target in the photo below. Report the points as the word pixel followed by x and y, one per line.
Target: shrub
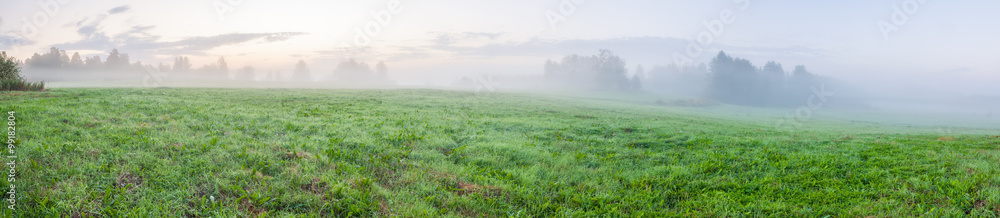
pixel 11 79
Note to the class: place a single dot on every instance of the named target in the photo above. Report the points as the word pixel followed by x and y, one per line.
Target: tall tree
pixel 76 61
pixel 604 71
pixel 94 63
pixel 114 61
pixel 722 77
pixel 181 64
pixel 635 83
pixel 640 71
pixel 773 79
pixel 301 72
pixel 352 70
pixel 9 69
pixel 381 70
pixel 223 67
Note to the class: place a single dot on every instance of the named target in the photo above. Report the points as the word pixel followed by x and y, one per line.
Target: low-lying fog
pixel 897 57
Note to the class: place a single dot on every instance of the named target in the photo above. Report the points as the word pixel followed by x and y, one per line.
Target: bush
pixel 20 85
pixel 11 79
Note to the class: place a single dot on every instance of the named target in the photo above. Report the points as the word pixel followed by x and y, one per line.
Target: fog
pixel 932 60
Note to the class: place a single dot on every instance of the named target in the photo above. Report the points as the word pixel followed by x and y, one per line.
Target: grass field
pixel 416 153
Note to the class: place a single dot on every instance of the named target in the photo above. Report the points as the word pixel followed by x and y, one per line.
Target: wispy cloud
pixel 139 40
pixel 119 9
pixel 202 43
pixel 10 41
pixel 449 38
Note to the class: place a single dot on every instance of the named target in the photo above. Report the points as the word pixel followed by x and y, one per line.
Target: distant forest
pixel 56 65
pixel 725 79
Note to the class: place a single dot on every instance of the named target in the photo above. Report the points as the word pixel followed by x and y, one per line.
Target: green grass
pixel 418 153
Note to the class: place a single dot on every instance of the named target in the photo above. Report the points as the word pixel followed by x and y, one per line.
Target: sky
pixel 934 46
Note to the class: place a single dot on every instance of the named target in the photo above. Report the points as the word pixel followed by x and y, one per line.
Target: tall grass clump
pixel 11 79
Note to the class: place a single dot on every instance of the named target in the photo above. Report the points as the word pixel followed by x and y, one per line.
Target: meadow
pixel 194 152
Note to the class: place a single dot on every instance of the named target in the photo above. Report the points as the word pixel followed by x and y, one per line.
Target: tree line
pixel 738 81
pixel 726 79
pixel 603 71
pixel 118 64
pixel 59 59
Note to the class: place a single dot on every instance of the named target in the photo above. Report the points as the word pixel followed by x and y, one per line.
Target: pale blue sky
pixel 941 44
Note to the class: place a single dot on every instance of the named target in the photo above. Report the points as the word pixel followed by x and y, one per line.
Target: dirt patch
pixel 90 125
pixel 946 139
pixel 130 181
pixel 383 208
pixel 979 204
pixel 628 130
pixel 297 155
pixel 465 188
pixel 469 213
pixel 92 153
pixel 250 208
pixel 84 214
pixel 585 117
pixel 462 188
pixel 261 176
pixel 316 186
pixel 175 145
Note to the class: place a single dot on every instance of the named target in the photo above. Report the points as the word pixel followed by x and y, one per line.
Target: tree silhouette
pixel 381 70
pixel 76 61
pixel 604 71
pixel 94 63
pixel 737 81
pixel 246 73
pixel 301 72
pixel 773 82
pixel 182 64
pixel 223 66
